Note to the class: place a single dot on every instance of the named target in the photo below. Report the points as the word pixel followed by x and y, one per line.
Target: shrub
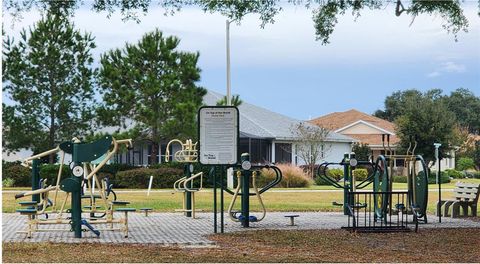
pixel 454 174
pixel 400 179
pixel 293 177
pixel 20 175
pixel 465 164
pixel 476 175
pixel 432 177
pixel 321 181
pixel 360 174
pixel 8 182
pixel 139 178
pixel 50 172
pixel 337 173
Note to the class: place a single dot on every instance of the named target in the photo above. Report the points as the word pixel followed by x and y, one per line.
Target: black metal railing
pixel 368 212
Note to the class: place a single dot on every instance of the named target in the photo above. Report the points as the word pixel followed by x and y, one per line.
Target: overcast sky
pixel 283 68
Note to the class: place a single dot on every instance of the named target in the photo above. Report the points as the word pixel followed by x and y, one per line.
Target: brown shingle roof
pixel 374 139
pixel 338 120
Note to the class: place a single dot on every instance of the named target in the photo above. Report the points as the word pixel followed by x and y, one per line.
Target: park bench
pixel 465 196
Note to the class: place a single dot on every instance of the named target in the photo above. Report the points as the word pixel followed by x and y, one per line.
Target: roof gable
pixel 338 120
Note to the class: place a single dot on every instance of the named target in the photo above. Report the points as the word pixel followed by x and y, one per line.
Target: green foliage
pixel 423 117
pixel 153 84
pixel 20 175
pixel 362 151
pixel 8 182
pixel 454 174
pixel 50 172
pixel 48 75
pixel 139 178
pixel 465 164
pixel 235 100
pixel 360 174
pixel 337 173
pixel 293 177
pixel 444 177
pixel 400 179
pixel 325 13
pixel 466 107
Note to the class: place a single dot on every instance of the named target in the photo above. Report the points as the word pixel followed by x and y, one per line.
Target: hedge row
pixel 337 174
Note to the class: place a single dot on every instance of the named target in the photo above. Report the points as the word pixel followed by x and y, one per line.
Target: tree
pixel 235 101
pixel 462 102
pixel 362 151
pixel 48 76
pixel 151 86
pixel 466 107
pixel 426 119
pixel 395 104
pixel 311 145
pixel 325 13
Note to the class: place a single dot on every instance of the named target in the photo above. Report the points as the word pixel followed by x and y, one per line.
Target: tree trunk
pixel 153 156
pixel 51 137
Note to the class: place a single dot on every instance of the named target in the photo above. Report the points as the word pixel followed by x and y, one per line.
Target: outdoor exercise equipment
pixel 246 174
pixel 349 184
pixel 87 160
pixel 188 154
pixel 417 177
pixel 375 208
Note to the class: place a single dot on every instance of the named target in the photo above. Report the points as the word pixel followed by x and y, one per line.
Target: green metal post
pixel 76 197
pixel 245 192
pixel 188 198
pixel 346 183
pixel 36 179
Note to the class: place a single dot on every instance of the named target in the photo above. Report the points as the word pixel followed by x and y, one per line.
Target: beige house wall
pixel 360 128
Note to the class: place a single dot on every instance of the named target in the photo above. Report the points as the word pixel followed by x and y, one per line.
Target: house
pixel 266 135
pixel 368 129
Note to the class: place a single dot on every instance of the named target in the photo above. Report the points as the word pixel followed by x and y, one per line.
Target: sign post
pixel 439 180
pixel 219 137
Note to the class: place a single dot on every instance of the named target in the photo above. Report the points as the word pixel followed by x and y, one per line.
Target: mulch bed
pixel 430 245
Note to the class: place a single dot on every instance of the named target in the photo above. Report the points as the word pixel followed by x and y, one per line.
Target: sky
pixel 284 69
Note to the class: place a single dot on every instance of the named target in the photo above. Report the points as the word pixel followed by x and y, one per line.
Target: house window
pixel 149 154
pixel 283 153
pixel 259 149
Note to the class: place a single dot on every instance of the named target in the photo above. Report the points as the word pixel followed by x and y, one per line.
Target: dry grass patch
pixel 432 245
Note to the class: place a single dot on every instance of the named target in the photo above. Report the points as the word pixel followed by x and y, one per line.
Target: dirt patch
pixel 431 245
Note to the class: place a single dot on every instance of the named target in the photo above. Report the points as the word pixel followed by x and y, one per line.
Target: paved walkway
pixel 175 229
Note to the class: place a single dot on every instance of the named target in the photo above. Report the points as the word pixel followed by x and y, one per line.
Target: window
pixel 283 153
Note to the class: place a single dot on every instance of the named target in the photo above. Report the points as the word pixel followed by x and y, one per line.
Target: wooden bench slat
pixel 467 184
pixel 465 190
pixel 465 195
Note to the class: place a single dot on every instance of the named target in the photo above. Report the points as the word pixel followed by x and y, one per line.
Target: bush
pixel 400 179
pixel 293 177
pixel 50 172
pixel 8 182
pixel 444 177
pixel 360 174
pixel 465 164
pixel 139 178
pixel 454 174
pixel 20 175
pixel 321 181
pixel 337 174
pixel 476 175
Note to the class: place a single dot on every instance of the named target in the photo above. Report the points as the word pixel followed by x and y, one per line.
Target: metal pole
pixel 228 62
pixel 35 179
pixel 439 181
pixel 222 218
pixel 188 174
pixel 214 201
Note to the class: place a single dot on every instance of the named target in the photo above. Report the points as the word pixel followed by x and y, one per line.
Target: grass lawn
pixel 274 201
pixel 432 245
